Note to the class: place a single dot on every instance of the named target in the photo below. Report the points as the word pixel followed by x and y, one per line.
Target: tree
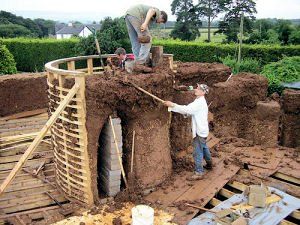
pixel 211 9
pixel 113 34
pixel 284 29
pixel 231 22
pixel 187 22
pixel 13 30
pixel 47 26
pixel 9 18
pixel 295 37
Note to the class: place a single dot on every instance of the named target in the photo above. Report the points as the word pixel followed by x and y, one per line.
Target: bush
pixel 212 52
pixel 246 65
pixel 32 54
pixel 7 62
pixel 295 37
pixel 284 71
pixel 112 35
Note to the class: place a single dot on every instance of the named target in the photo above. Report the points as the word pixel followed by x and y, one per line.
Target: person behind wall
pixel 198 110
pixel 138 18
pixel 123 57
pixel 120 60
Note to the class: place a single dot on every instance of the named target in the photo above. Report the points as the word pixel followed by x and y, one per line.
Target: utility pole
pixel 240 42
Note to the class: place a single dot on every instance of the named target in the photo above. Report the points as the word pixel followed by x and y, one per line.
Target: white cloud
pixel 97 9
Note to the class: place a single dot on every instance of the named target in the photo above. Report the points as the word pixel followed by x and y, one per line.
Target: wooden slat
pixel 41 202
pixel 38 139
pixel 24 114
pixel 226 193
pixel 16 158
pixel 214 202
pixel 287 178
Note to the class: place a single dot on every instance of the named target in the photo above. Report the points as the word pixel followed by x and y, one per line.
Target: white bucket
pixel 142 215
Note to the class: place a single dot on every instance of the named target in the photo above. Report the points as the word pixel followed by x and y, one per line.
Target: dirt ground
pixel 247 128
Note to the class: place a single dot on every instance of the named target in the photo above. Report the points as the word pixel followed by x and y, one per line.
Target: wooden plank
pixel 38 138
pixel 24 114
pixel 214 202
pixel 34 204
pixel 285 222
pixel 26 183
pixel 10 202
pixel 25 120
pixel 226 193
pixel 82 112
pixel 32 211
pixel 202 193
pixel 15 158
pixel 287 178
pixel 30 163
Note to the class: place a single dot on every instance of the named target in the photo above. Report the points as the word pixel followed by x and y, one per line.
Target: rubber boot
pixel 209 165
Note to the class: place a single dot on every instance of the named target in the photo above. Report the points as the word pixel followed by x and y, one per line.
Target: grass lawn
pixel 165 34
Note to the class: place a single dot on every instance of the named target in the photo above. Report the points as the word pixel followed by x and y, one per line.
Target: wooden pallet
pixel 26 193
pixel 235 187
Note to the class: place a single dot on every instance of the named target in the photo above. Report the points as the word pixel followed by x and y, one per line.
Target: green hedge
pixel 32 54
pixel 212 52
pixel 7 62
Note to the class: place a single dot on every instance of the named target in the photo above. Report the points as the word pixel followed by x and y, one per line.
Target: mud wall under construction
pixel 291 118
pixel 137 111
pixel 157 131
pixel 22 92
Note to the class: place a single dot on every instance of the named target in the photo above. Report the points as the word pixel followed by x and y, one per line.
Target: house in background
pixel 80 30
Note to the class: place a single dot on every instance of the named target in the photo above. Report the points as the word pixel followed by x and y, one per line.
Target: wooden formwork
pixel 69 134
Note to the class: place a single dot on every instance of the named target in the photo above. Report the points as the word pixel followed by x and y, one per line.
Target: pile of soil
pixel 22 92
pixel 190 73
pixel 234 104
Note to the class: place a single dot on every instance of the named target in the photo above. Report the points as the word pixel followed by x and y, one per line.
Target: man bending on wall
pixel 137 19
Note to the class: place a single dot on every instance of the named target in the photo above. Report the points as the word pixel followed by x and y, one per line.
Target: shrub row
pixel 212 52
pixel 32 54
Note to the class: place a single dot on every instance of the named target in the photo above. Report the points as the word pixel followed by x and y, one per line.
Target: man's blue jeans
pixel 141 51
pixel 200 150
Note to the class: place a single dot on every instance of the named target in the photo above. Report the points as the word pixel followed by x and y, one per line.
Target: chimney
pixel 70 24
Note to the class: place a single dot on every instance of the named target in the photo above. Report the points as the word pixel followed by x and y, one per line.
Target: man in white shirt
pixel 198 110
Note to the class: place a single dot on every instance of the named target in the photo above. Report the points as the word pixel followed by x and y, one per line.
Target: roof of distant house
pixel 76 29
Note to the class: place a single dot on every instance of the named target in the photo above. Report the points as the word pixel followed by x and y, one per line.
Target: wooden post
pixel 132 152
pixel 240 42
pixel 118 151
pixel 146 92
pixel 157 55
pixel 38 138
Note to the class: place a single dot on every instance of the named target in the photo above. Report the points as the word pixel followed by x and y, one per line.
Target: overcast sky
pixel 97 9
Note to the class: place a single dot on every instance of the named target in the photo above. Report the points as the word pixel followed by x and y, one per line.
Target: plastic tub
pixel 142 215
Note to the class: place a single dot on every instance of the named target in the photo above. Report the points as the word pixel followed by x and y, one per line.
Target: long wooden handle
pixel 38 138
pixel 132 152
pixel 201 208
pixel 147 93
pixel 118 151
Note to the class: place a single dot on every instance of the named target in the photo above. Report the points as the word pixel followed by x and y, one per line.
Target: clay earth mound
pixel 22 92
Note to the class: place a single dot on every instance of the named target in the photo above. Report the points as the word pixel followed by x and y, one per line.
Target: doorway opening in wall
pixel 108 165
